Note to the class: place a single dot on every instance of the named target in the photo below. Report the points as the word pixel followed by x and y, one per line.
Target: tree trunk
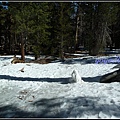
pixel 36 56
pixel 22 48
pixel 61 49
pixel 62 33
pixel 76 34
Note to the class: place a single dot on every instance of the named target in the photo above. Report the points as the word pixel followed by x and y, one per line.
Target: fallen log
pixel 111 77
pixel 16 60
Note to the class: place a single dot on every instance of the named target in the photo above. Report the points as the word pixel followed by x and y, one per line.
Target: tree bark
pixel 22 48
pixel 62 49
pixel 76 34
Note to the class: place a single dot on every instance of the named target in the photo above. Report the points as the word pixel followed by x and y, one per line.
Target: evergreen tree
pixel 20 13
pixel 5 28
pixel 115 26
pixel 98 19
pixel 55 28
pixel 79 23
pixel 39 24
pixel 62 32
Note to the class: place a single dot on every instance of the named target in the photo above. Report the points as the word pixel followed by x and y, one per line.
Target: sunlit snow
pixel 47 90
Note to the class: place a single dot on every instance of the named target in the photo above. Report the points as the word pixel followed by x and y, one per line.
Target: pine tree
pixel 115 26
pixel 79 24
pixel 39 24
pixel 5 27
pixel 20 14
pixel 62 32
pixel 97 18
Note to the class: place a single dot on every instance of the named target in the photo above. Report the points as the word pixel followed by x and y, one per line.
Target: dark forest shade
pixel 54 28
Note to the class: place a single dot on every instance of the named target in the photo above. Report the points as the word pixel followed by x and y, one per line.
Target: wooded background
pixel 54 28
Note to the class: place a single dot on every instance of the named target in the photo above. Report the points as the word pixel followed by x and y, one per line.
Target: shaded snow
pixel 45 90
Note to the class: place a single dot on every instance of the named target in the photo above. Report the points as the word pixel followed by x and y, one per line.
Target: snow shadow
pixel 29 58
pixel 5 58
pixel 59 80
pixel 92 79
pixel 12 111
pixel 94 60
pixel 79 61
pixel 61 107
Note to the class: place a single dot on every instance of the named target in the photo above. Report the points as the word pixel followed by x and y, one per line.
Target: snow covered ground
pixel 45 91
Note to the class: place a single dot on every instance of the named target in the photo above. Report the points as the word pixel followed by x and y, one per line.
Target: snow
pixel 46 90
pixel 76 77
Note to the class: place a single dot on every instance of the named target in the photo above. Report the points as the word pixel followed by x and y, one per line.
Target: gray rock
pixel 111 77
pixel 117 66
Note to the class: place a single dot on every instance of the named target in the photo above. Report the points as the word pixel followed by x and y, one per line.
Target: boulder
pixel 111 77
pixel 117 66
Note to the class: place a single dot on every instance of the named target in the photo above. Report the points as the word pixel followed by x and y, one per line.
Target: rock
pixel 111 77
pixel 117 66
